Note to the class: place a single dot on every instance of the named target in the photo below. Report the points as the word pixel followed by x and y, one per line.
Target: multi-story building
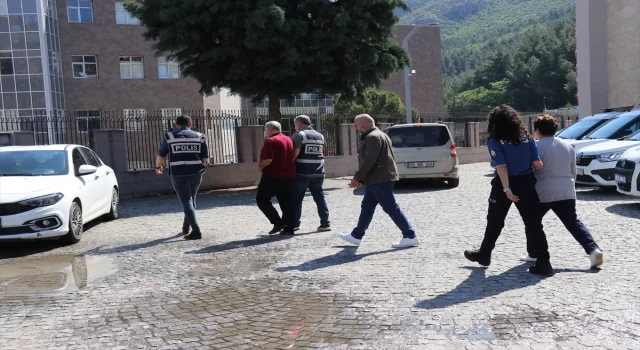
pixel 88 60
pixel 608 50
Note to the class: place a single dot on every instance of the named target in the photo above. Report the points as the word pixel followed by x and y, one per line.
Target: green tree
pixel 277 48
pixel 481 99
pixel 374 102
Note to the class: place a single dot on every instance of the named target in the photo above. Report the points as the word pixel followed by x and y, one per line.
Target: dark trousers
pixel 282 189
pixel 524 187
pixel 381 194
pixel 186 187
pixel 314 184
pixel 566 212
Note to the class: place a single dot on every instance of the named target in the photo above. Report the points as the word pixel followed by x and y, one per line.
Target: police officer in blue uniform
pixel 514 155
pixel 188 153
pixel 310 173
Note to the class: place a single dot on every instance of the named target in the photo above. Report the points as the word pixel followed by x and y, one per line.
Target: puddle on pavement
pixel 52 275
pixel 508 326
pixel 259 314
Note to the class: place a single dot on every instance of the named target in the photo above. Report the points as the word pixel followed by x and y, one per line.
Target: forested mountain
pixel 494 45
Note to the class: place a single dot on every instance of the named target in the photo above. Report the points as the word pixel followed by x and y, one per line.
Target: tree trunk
pixel 274 108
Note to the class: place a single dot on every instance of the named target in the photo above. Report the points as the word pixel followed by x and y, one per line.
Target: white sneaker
pixel 406 243
pixel 349 238
pixel 596 257
pixel 527 258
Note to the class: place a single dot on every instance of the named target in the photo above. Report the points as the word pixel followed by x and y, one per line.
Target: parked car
pixel 424 151
pixel 586 125
pixel 52 191
pixel 596 163
pixel 627 172
pixel 623 125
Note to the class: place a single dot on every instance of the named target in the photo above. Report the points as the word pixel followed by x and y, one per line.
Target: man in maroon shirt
pixel 278 175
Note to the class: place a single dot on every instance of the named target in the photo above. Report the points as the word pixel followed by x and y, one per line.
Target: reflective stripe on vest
pixel 185 153
pixel 310 161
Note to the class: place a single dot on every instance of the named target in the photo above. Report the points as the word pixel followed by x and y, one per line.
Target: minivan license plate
pixel 621 179
pixel 420 165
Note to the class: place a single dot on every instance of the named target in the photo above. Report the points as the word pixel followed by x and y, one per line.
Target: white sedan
pixel 52 191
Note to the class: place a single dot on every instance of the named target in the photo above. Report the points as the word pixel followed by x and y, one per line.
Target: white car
pixel 425 151
pixel 623 125
pixel 627 172
pixel 52 191
pixel 596 164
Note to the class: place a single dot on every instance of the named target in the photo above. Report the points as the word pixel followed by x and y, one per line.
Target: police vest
pixel 185 147
pixel 310 161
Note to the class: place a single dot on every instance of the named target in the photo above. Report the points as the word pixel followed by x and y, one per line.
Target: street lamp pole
pixel 407 75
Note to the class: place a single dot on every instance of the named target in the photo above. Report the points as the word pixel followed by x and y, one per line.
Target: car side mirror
pixel 87 169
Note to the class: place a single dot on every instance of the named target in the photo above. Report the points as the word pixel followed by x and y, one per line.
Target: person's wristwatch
pixel 507 190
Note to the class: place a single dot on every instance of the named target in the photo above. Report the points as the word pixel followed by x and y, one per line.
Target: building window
pixel 123 16
pixel 168 69
pixel 88 120
pixel 171 113
pixel 135 119
pixel 84 67
pixel 169 116
pixel 131 67
pixel 80 11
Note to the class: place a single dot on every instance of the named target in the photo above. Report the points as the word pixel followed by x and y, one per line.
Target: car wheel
pixel 453 183
pixel 115 205
pixel 75 224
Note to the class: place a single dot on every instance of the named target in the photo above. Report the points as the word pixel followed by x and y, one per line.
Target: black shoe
pixel 193 236
pixel 185 232
pixel 287 232
pixel 542 269
pixel 476 256
pixel 324 228
pixel 276 229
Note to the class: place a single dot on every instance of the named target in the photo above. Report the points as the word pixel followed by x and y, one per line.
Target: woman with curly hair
pixel 515 156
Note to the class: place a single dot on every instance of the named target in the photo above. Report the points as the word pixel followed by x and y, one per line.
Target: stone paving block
pixel 238 288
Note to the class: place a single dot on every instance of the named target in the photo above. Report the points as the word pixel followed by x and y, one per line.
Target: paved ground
pixel 132 284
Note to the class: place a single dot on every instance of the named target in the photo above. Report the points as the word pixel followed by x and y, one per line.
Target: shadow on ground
pixel 169 204
pixel 477 286
pixel 244 243
pixel 347 254
pixel 413 186
pixel 628 210
pixel 21 248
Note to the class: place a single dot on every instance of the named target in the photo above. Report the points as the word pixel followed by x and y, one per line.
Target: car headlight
pixel 43 201
pixel 609 157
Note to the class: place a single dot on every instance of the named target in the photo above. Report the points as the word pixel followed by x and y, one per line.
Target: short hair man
pixel 278 175
pixel 378 172
pixel 188 153
pixel 309 161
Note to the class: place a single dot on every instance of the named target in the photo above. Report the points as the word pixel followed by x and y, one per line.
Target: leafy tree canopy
pixel 373 102
pixel 277 48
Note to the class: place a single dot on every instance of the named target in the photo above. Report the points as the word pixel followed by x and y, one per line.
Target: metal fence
pixel 144 130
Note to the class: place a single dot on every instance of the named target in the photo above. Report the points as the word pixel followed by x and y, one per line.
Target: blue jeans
pixel 381 194
pixel 314 184
pixel 186 187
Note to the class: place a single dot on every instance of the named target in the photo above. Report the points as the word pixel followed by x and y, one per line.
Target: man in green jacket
pixel 378 173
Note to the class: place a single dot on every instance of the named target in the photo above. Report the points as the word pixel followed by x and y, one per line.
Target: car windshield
pixel 611 129
pixel 419 136
pixel 33 163
pixel 579 129
pixel 635 137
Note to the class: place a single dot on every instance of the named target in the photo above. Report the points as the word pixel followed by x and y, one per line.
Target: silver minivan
pixel 425 151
